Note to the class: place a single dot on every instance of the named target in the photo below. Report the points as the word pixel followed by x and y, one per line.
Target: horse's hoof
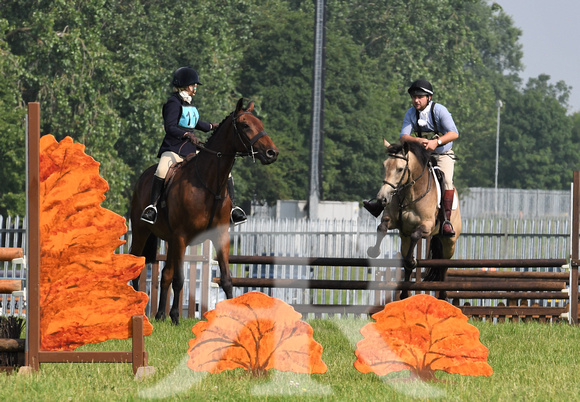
pixel 160 316
pixel 174 318
pixel 410 265
pixel 373 252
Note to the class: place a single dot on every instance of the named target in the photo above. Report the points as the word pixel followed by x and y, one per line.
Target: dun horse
pixel 409 193
pixel 197 203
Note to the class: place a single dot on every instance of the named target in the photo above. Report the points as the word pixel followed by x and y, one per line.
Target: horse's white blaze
pixel 385 194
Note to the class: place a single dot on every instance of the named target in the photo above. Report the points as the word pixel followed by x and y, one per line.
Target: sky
pixel 550 41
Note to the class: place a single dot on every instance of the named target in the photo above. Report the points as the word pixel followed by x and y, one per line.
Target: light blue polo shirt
pixel 443 118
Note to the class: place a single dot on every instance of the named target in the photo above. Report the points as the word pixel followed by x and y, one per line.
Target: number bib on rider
pixel 189 117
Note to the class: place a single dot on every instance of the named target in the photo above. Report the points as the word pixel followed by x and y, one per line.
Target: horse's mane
pixel 418 150
pixel 211 137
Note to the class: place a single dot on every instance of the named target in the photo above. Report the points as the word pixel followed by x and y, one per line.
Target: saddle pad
pixel 438 185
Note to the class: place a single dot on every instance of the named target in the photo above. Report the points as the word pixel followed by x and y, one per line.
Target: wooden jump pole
pixel 10 253
pixel 10 285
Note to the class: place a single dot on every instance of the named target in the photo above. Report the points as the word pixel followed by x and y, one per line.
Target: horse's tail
pixel 150 249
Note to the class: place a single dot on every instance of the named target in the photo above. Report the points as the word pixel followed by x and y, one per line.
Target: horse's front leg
pixel 222 247
pixel 166 278
pixel 408 245
pixel 382 229
pixel 138 243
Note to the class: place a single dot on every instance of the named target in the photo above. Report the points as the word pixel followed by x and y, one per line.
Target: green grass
pixel 531 362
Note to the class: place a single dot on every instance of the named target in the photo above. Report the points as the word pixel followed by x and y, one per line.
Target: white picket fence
pixel 481 238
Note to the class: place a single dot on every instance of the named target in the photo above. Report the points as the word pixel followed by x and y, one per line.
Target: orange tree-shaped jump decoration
pixel 421 334
pixel 84 295
pixel 257 333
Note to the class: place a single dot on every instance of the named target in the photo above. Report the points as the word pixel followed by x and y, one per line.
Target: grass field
pixel 531 362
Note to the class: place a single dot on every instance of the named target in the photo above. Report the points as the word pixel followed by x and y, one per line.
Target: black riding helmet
pixel 184 77
pixel 420 87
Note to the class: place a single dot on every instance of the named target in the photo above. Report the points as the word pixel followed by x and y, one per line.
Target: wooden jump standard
pixel 34 355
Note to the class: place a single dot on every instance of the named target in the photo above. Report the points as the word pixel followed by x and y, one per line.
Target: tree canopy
pixel 101 71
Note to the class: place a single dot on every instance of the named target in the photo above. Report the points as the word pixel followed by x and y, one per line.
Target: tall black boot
pixel 150 212
pixel 237 215
pixel 374 206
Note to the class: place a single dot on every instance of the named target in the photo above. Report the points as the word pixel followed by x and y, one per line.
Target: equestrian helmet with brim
pixel 184 77
pixel 420 88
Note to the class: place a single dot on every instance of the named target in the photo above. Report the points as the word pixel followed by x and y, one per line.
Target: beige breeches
pixel 446 163
pixel 167 159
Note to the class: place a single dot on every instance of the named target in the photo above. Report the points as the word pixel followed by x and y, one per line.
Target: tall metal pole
pixel 317 110
pixel 499 104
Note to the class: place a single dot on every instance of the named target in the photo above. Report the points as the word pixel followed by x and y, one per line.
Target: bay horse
pixel 410 196
pixel 197 205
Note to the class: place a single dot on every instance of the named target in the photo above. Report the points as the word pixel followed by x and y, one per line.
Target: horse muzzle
pixel 269 156
pixel 385 194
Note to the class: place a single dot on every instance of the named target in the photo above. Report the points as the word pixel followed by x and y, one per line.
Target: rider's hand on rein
pixel 192 137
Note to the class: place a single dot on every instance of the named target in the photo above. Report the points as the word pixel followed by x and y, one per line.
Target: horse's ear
pixel 239 105
pixel 250 107
pixel 386 143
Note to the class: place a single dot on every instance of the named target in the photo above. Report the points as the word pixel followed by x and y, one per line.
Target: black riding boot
pixel 374 206
pixel 237 215
pixel 150 212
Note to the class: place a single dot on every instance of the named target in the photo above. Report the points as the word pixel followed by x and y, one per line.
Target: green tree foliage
pixel 12 127
pixel 537 147
pixel 101 70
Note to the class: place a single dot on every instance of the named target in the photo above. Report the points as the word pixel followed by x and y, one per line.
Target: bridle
pixel 244 140
pixel 249 151
pixel 402 186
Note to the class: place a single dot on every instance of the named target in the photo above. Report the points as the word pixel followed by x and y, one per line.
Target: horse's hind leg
pixel 438 273
pixel 172 274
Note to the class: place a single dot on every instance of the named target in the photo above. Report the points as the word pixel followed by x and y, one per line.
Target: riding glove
pixel 192 137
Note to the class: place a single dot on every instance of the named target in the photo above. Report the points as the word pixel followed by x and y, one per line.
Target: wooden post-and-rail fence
pixel 461 284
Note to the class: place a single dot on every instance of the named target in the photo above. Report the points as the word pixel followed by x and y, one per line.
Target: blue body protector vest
pixel 189 117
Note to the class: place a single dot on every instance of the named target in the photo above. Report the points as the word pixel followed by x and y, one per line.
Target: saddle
pixel 439 177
